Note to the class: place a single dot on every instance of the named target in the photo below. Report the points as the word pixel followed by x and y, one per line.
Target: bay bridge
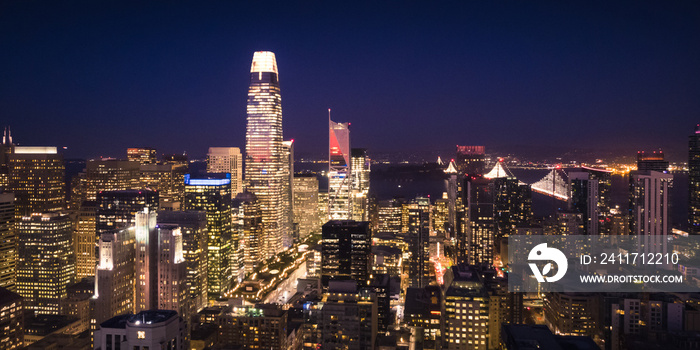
pixel 554 184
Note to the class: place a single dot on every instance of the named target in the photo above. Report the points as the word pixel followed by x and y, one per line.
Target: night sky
pixel 99 77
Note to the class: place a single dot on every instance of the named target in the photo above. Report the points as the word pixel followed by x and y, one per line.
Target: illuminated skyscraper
pixel 418 225
pixel 694 181
pixel 85 239
pixel 360 166
pixel 45 265
pixel 583 198
pixel 649 208
pixel 264 158
pixel 470 159
pixel 213 195
pixel 168 179
pixel 339 171
pixel 346 250
pixel 6 148
pixel 478 240
pixel 651 161
pixel 306 214
pixel 389 214
pixel 288 193
pixel 193 226
pixel 227 160
pixel 117 209
pixel 8 241
pixel 146 260
pixel 142 155
pixel 114 279
pixel 248 222
pixel 110 175
pixel 37 180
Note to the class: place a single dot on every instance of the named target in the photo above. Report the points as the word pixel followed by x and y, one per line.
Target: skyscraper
pixel 583 198
pixel 360 165
pixel 290 234
pixel 346 250
pixel 306 204
pixel 114 277
pixel 470 159
pixel 8 241
pixel 339 171
pixel 227 160
pixel 147 252
pixel 694 181
pixel 651 161
pixel 248 222
pixel 45 265
pixel 85 238
pixel 418 225
pixel 117 209
pixel 478 240
pixel 213 195
pixel 37 179
pixel 264 158
pixel 649 208
pixel 110 175
pixel 142 155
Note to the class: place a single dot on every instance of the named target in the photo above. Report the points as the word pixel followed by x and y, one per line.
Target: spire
pixel 439 161
pixel 451 168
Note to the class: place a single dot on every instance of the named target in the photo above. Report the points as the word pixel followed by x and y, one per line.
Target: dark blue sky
pixel 102 76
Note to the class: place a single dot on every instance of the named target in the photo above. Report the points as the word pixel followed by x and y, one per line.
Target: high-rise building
pixel 478 240
pixel 649 208
pixel 213 196
pixel 110 175
pixel 348 318
pixel 389 214
pixel 346 251
pixel 117 209
pixel 572 313
pixel 288 194
pixel 423 310
pixel 583 198
pixel 451 187
pixel 8 241
pixel 172 290
pixel 6 148
pixel 651 161
pixel 339 171
pixel 512 201
pixel 151 329
pixel 193 227
pixel 466 310
pixel 147 251
pixel 114 277
pixel 248 219
pixel 11 320
pixel 306 213
pixel 227 160
pixel 37 180
pixel 694 181
pixel 417 228
pixel 470 160
pixel 168 180
pixel 143 155
pixel 360 165
pixel 604 178
pixel 263 326
pixel 264 158
pixel 85 239
pixel 45 260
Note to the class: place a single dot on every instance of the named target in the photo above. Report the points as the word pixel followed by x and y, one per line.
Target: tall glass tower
pixel 264 158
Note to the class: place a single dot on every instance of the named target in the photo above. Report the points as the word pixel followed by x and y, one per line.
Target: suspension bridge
pixel 554 184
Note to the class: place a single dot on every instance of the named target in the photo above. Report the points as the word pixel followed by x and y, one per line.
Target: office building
pixel 77 303
pixel 649 208
pixel 147 251
pixel 339 171
pixel 470 160
pixel 572 313
pixel 110 175
pixel 263 326
pixel 346 251
pixel 348 318
pixel 604 178
pixel 478 239
pixel 8 241
pixel 85 239
pixel 290 233
pixel 45 260
pixel 389 213
pixel 569 223
pixel 117 210
pixel 11 320
pixel 193 227
pixel 146 330
pixel 115 276
pixel 424 312
pixel 694 181
pixel 653 161
pixel 512 201
pixel 416 233
pixel 264 154
pixel 36 177
pixel 143 155
pixel 167 179
pixel 248 222
pixel 172 289
pixel 360 165
pixel 467 310
pixel 6 149
pixel 306 211
pixel 583 198
pixel 227 160
pixel 213 196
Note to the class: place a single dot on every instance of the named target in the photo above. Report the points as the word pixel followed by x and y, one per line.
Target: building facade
pixel 306 213
pixel 339 171
pixel 227 160
pixel 36 177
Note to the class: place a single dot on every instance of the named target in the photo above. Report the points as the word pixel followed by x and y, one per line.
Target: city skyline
pixel 562 76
